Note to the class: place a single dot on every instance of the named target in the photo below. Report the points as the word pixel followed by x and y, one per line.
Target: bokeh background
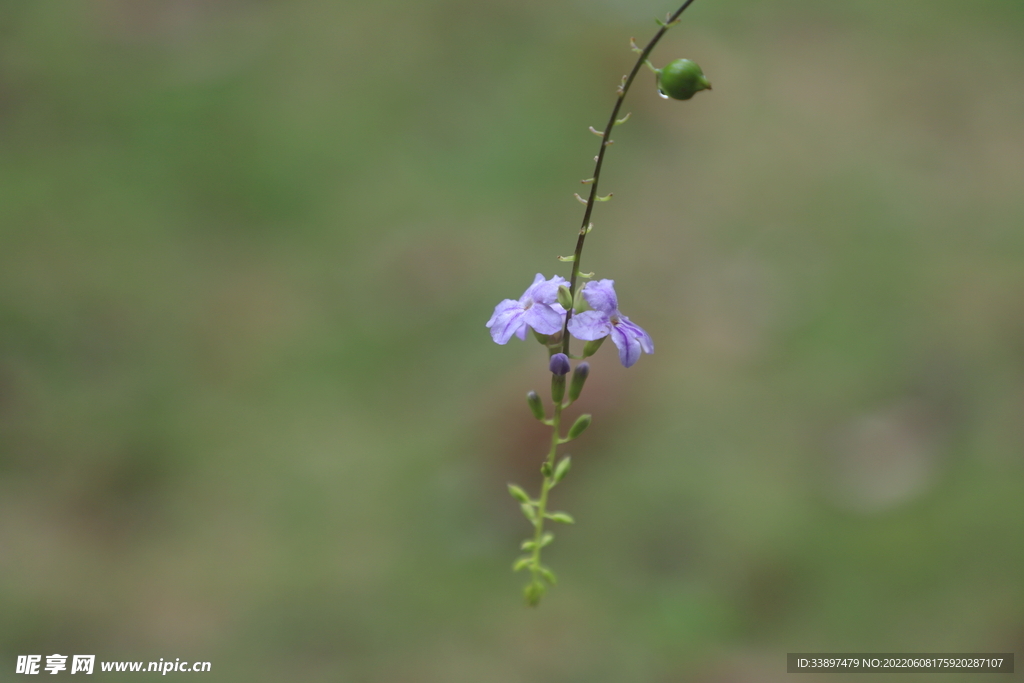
pixel 250 414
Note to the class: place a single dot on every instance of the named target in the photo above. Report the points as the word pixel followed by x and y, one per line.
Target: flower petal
pixel 589 325
pixel 528 295
pixel 506 321
pixel 646 343
pixel 601 296
pixel 628 345
pixel 543 318
pixel 543 291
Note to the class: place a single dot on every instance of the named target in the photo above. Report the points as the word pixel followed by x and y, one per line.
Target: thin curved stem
pixel 605 141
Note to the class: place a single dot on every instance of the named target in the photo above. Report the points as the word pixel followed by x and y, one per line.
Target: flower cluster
pixel 538 308
pixel 557 310
pixel 548 307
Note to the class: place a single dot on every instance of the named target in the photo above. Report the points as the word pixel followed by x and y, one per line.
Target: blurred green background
pixel 250 414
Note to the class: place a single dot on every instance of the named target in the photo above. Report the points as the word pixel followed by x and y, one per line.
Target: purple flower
pixel 606 319
pixel 536 308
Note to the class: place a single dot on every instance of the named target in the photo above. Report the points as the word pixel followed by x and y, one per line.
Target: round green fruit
pixel 681 80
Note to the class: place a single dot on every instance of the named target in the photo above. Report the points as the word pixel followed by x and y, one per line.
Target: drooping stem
pixel 605 141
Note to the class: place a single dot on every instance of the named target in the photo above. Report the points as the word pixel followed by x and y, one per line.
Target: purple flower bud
pixel 559 364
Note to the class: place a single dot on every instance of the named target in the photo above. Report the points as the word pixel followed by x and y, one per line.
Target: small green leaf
pixel 522 562
pixel 531 514
pixel 562 469
pixel 518 493
pixel 545 470
pixel 568 259
pixel 563 517
pixel 548 575
pixel 546 539
pixel 528 544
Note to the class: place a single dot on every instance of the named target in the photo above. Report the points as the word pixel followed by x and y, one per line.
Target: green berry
pixel 682 79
